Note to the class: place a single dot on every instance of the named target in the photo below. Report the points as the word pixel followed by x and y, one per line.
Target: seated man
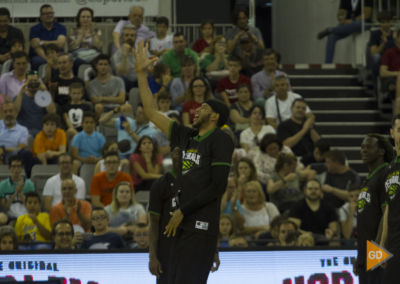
pixel 130 129
pixel 101 238
pixel 135 18
pixel 14 188
pixel 336 178
pixel 7 34
pixel 52 188
pixel 62 79
pixel 48 31
pixel 88 143
pixel 349 18
pixel 298 132
pixel 173 56
pixel 14 137
pixel 12 82
pixel 278 106
pixel 227 86
pixel 63 234
pixel 70 208
pixel 263 81
pixel 348 214
pixel 251 55
pixel 321 147
pixel 106 91
pixel 314 214
pixel 101 189
pixel 122 61
pixel 31 114
pixel 51 142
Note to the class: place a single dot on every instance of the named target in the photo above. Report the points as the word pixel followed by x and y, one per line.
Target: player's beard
pixel 201 121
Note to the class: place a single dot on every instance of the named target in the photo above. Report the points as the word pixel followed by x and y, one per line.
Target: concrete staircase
pixel 345 111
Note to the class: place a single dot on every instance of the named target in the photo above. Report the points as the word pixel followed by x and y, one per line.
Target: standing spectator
pixel 102 238
pixel 135 18
pixel 376 153
pixel 338 179
pixel 129 129
pixel 313 214
pixel 242 27
pixel 84 40
pixel 31 114
pixel 162 42
pixel 350 22
pixel 7 34
pixel 263 81
pixel 63 233
pixel 257 213
pixel 14 188
pixel 207 34
pixel 284 187
pixel 103 183
pixel 123 61
pixel 52 188
pixel 173 57
pixel 227 86
pixel 106 91
pixel 241 110
pixel 379 41
pixel 279 106
pixel 298 132
pixel 51 142
pixel 48 31
pixel 348 215
pixel 124 211
pixel 250 137
pixel 146 163
pixel 12 82
pixel 198 93
pixel 87 144
pixel 8 239
pixel 70 208
pixel 35 225
pixel 14 137
pixel 60 82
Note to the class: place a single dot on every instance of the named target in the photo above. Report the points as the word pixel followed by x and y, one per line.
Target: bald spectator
pixel 263 81
pixel 173 57
pixel 298 132
pixel 123 61
pixel 52 188
pixel 7 35
pixel 70 208
pixel 46 32
pixel 135 18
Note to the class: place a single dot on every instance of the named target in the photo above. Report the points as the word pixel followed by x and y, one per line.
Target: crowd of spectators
pixel 287 186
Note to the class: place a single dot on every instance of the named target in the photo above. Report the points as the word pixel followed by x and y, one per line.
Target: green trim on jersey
pixel 221 164
pixel 172 173
pixel 199 138
pixel 170 129
pixel 154 213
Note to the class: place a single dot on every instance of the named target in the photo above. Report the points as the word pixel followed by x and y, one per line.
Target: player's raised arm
pixel 149 104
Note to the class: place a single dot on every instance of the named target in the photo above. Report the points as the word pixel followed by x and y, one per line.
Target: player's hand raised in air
pixel 141 59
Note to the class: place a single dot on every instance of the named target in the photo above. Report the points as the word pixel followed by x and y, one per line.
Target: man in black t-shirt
pixel 206 157
pixel 376 153
pixel 391 222
pixel 298 131
pixel 7 35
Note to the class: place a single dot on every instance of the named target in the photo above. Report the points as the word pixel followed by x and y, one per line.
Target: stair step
pixel 340 71
pixel 353 127
pixel 313 80
pixel 348 115
pixel 307 93
pixel 341 103
pixel 352 152
pixel 337 140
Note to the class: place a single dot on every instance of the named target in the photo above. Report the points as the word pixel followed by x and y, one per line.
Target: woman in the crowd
pixel 241 110
pixel 284 186
pixel 198 92
pixel 8 238
pixel 111 146
pixel 250 137
pixel 257 213
pixel 145 163
pixel 265 160
pixel 84 41
pixel 245 171
pixel 124 211
pixel 207 33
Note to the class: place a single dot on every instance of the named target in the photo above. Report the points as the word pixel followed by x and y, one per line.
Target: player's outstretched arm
pixel 150 108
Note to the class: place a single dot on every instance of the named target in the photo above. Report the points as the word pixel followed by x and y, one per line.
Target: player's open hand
pixel 216 263
pixel 155 267
pixel 176 219
pixel 141 59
